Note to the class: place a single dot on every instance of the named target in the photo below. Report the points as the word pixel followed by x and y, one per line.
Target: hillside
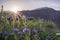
pixel 44 13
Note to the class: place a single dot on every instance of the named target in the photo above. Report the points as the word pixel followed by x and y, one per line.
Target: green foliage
pixel 6 24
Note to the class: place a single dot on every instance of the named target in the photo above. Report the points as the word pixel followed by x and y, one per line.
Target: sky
pixel 29 4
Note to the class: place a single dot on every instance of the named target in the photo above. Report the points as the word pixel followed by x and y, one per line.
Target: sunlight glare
pixel 15 9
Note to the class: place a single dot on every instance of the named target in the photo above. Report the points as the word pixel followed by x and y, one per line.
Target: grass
pixel 25 28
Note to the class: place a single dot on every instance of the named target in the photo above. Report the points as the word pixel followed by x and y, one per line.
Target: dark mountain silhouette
pixel 44 13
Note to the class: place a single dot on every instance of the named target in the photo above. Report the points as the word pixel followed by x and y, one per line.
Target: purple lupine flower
pixel 16 18
pixel 16 30
pixel 20 33
pixel 12 34
pixel 9 16
pixel 5 33
pixel 26 29
pixel 47 37
pixel 34 31
pixel 30 18
pixel 51 36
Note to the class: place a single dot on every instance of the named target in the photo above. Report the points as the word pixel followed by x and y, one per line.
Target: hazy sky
pixel 30 4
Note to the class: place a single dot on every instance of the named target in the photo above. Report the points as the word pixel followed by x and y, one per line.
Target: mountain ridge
pixel 45 13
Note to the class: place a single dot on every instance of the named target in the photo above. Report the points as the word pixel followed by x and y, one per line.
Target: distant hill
pixel 45 13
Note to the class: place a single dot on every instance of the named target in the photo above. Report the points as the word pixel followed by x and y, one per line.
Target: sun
pixel 15 9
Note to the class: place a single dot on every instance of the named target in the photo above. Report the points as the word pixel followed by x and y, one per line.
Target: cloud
pixel 31 4
pixel 38 4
